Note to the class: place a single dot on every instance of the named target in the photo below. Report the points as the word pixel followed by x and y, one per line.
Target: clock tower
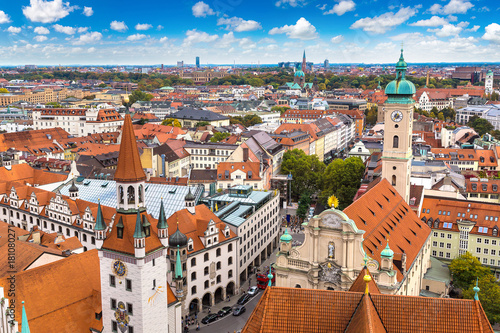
pixel 398 129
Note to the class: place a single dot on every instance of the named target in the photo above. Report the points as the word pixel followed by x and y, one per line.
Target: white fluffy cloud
pixel 342 7
pixel 434 21
pixel 447 30
pixel 40 38
pixel 4 18
pixel 90 37
pixel 453 7
pixel 337 39
pixel 492 33
pixel 64 29
pixel 88 11
pixel 45 11
pixel 385 22
pixel 300 30
pixel 201 9
pixel 118 26
pixel 238 24
pixel 14 30
pixel 144 26
pixel 194 36
pixel 82 29
pixel 163 39
pixel 473 29
pixel 136 37
pixel 41 31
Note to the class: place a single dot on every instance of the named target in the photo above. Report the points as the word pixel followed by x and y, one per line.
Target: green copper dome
pixel 286 237
pixel 299 72
pixel 387 252
pixel 400 90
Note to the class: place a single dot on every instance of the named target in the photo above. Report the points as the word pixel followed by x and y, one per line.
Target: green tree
pixel 480 125
pixel 306 171
pixel 171 122
pixel 496 134
pixel 3 91
pixel 489 296
pixel 219 136
pixel 143 121
pixel 102 85
pixel 440 116
pixel 139 95
pixel 322 86
pixel 465 269
pixel 303 207
pixel 371 115
pixel 280 109
pixel 202 123
pixel 54 104
pixel 342 178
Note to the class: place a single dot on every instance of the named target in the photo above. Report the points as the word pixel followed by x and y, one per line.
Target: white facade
pixel 205 156
pixel 488 83
pixel 78 123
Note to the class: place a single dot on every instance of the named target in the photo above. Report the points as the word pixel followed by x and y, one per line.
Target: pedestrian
pixel 208 310
pixel 197 327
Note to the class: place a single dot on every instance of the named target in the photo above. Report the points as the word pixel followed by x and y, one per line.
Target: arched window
pixel 230 260
pixel 120 190
pixel 140 193
pixel 395 141
pixel 193 276
pixel 131 195
pixel 393 180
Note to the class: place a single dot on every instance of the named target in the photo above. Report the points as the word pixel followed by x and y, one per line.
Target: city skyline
pixel 223 32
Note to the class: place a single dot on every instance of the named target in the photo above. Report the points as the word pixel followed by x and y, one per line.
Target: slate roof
pixel 197 114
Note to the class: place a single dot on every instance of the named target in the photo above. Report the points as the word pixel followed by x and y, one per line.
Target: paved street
pixel 232 323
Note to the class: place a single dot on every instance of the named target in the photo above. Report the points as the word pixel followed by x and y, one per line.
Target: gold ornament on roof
pixel 333 202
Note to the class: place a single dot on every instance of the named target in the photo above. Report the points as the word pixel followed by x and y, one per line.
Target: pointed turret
pixel 139 238
pixel 73 190
pixel 162 226
pixel 25 327
pixel 190 201
pixel 178 265
pixel 100 227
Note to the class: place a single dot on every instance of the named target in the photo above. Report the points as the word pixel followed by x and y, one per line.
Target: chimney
pixel 59 238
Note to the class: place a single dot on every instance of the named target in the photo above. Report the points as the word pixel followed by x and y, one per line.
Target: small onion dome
pixel 73 187
pixel 178 239
pixel 286 237
pixel 189 196
pixel 387 252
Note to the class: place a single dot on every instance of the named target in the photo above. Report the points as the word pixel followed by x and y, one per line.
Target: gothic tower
pixel 304 63
pixel 132 251
pixel 398 129
pixel 488 83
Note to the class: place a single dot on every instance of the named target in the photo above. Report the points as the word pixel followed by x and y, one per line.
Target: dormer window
pixel 484 187
pixel 474 187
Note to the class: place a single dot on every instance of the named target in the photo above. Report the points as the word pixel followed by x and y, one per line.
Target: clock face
pixel 397 116
pixel 119 268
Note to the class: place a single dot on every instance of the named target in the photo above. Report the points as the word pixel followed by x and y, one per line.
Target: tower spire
pixel 129 167
pixel 178 265
pixel 25 327
pixel 476 290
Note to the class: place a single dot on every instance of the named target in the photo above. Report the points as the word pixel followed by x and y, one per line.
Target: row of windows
pixel 449 236
pixel 441 244
pixel 441 254
pixel 128 283
pixel 487 251
pixel 486 241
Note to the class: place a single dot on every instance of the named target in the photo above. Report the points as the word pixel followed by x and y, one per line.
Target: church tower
pixel 304 63
pixel 488 83
pixel 132 252
pixel 398 129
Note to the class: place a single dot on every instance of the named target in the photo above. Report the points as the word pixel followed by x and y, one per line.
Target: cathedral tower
pixel 398 129
pixel 304 63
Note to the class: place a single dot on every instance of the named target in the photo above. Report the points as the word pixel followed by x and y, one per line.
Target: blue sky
pixel 223 31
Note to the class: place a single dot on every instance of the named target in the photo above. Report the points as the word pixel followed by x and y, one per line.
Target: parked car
pixel 224 311
pixel 210 318
pixel 239 310
pixel 253 291
pixel 243 299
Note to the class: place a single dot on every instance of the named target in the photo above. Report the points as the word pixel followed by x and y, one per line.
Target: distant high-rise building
pixel 488 83
pixel 180 63
pixel 304 63
pixel 197 62
pixel 327 63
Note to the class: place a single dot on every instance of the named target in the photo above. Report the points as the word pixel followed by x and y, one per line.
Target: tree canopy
pixel 480 125
pixel 306 171
pixel 218 136
pixel 342 178
pixel 171 122
pixel 465 270
pixel 138 95
pixel 247 121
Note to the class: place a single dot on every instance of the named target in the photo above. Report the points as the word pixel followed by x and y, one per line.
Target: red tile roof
pixel 313 310
pixel 129 167
pixel 384 215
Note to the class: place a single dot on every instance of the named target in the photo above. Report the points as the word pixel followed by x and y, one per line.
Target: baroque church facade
pixel 379 230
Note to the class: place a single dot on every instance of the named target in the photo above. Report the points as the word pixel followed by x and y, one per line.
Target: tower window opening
pixel 395 141
pixel 393 180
